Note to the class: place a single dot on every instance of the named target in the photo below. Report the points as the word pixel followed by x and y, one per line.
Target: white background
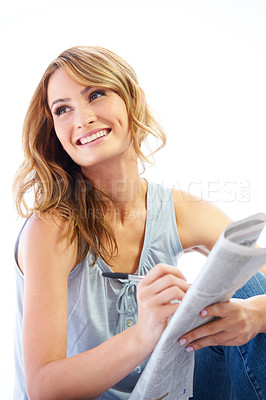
pixel 202 65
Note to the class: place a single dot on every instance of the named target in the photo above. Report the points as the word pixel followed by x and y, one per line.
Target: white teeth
pixel 94 136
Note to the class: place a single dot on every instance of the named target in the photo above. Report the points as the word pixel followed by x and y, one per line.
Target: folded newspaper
pixel 231 263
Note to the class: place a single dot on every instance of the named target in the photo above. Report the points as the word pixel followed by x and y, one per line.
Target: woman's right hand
pixel 155 295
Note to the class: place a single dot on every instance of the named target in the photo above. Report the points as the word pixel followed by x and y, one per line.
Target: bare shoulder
pixel 44 238
pixel 199 222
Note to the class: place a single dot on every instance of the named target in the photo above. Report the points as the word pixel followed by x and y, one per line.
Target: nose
pixel 84 116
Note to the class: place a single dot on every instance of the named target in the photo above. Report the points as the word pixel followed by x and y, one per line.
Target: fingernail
pixel 189 349
pixel 204 313
pixel 182 342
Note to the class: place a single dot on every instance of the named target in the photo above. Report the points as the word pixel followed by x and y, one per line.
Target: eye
pixel 96 94
pixel 61 110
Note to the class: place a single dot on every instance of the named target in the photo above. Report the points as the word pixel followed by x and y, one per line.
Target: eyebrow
pixel 60 101
pixel 67 99
pixel 84 91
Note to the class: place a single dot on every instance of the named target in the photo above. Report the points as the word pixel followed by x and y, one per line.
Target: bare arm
pixel 200 225
pixel 46 262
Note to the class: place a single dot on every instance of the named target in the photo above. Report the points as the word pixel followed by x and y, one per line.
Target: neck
pixel 120 181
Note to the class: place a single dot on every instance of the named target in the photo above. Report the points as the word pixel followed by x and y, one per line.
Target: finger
pixel 169 294
pixel 208 329
pixel 217 310
pixel 160 270
pixel 168 281
pixel 162 291
pixel 220 339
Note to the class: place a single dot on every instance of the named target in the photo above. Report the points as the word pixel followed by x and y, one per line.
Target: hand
pixel 238 322
pixel 155 293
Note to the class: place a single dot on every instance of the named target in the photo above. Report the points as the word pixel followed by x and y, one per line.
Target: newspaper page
pixel 231 263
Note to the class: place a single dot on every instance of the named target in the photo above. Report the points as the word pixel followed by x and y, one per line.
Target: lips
pixel 92 136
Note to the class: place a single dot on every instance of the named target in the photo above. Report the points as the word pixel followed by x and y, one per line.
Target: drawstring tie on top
pixel 123 303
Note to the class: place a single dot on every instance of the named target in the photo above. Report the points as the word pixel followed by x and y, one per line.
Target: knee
pixel 256 285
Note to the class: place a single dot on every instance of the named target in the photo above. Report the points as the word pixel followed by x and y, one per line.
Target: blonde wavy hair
pixel 56 181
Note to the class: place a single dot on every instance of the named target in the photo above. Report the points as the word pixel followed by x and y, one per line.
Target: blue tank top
pixel 99 308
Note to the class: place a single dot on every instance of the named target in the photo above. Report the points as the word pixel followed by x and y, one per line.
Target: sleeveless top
pixel 98 307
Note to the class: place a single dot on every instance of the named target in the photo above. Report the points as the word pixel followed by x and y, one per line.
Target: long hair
pixel 56 181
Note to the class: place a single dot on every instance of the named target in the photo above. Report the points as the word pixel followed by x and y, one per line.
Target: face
pixel 90 122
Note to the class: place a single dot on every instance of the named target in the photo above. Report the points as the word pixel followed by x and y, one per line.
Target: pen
pixel 121 275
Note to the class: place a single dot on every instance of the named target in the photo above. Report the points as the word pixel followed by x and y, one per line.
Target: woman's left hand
pixel 238 321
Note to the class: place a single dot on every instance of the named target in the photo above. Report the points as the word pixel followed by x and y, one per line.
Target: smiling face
pixel 90 122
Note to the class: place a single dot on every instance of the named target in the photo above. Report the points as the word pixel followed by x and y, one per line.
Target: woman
pixel 80 335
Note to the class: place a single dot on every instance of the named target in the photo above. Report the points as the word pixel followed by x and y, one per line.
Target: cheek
pixel 58 134
pixel 123 120
pixel 61 131
pixel 119 110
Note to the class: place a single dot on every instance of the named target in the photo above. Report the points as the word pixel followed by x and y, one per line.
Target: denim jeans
pixel 234 372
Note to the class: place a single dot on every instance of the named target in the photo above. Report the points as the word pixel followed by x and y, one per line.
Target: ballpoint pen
pixel 122 275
